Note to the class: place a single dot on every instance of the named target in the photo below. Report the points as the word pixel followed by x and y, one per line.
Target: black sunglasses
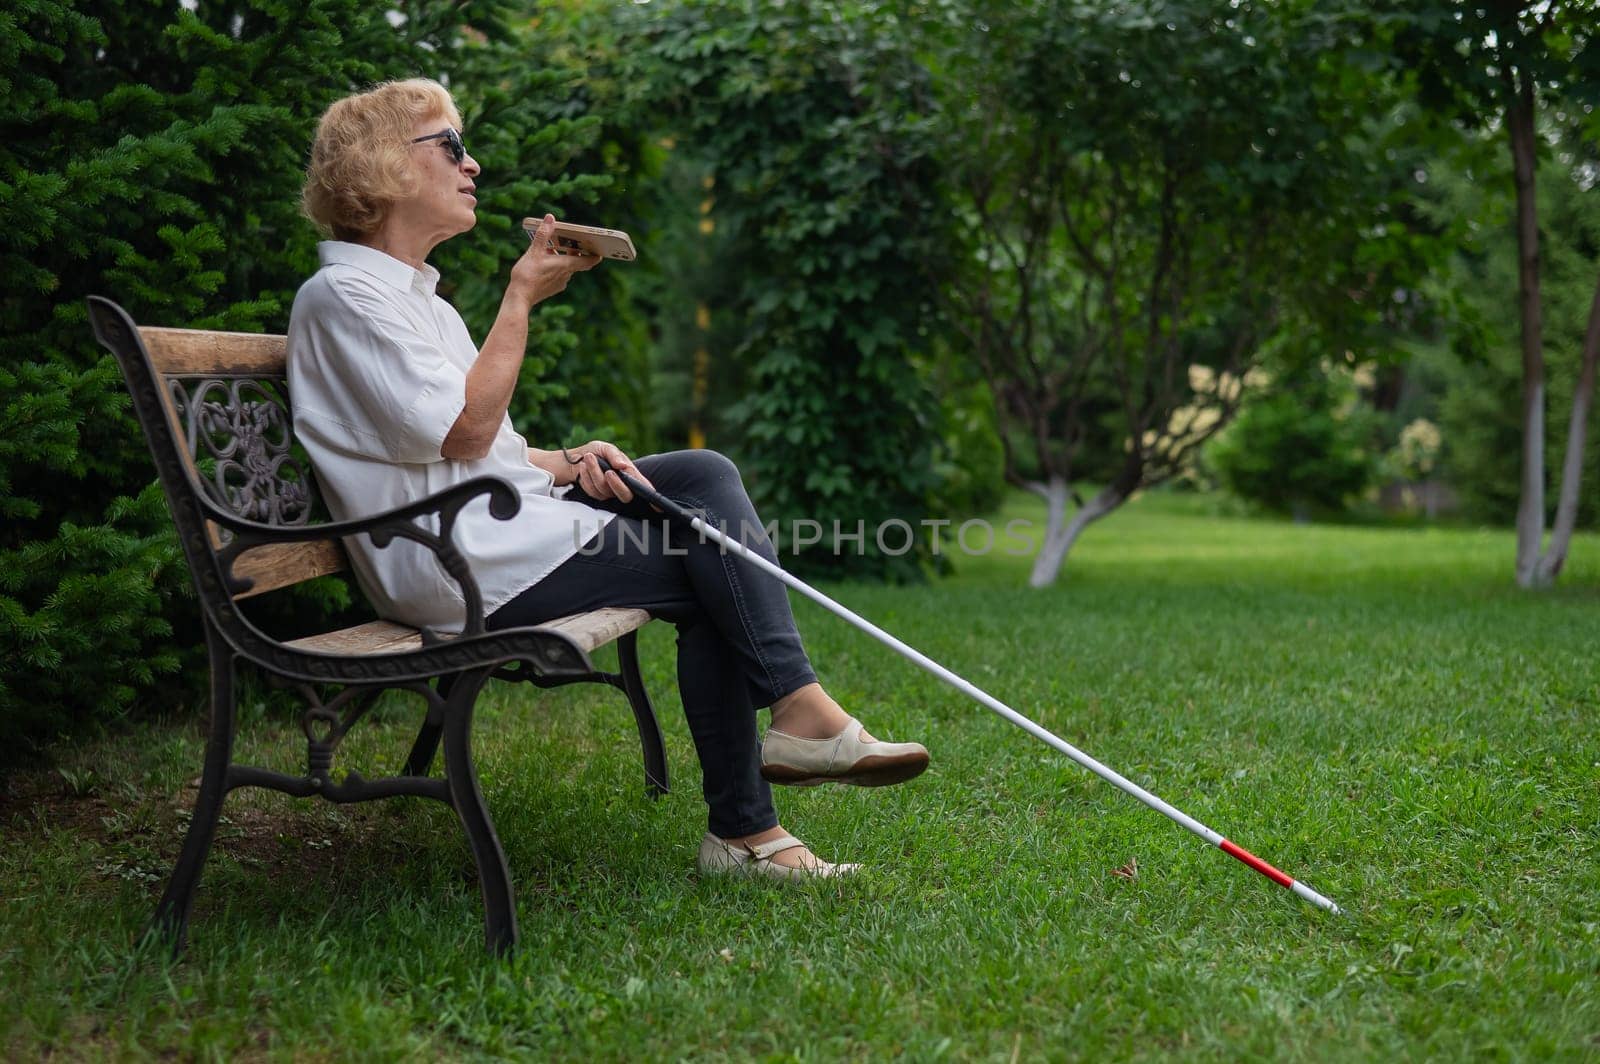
pixel 452 143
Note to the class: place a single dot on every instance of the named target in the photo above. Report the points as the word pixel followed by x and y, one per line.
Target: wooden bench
pixel 214 409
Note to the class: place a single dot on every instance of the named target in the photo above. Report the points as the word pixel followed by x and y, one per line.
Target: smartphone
pixel 571 239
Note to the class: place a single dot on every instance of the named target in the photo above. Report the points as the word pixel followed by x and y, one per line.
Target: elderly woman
pixel 394 401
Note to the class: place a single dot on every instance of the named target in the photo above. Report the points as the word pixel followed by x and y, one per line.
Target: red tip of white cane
pixel 1280 878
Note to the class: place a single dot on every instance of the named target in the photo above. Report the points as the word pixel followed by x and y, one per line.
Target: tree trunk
pixel 1060 534
pixel 1056 492
pixel 1554 557
pixel 1530 510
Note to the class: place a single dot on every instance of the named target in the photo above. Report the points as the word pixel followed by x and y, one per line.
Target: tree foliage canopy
pixel 1152 186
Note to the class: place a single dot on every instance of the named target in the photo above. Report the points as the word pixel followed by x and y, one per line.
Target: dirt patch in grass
pixel 42 799
pixel 311 838
pixel 291 837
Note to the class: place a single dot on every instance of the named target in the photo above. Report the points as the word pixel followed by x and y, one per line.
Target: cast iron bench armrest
pixel 504 503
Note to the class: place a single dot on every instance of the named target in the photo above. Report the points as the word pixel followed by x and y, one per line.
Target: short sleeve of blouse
pixel 371 382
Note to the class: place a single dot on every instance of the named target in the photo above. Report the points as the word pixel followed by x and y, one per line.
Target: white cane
pixel 975 692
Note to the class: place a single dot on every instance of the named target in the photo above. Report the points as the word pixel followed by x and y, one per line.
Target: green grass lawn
pixel 1377 711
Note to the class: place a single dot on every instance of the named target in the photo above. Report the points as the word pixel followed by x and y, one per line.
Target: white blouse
pixel 377 377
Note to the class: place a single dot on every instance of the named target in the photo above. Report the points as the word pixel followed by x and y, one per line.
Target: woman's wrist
pixel 518 300
pixel 561 470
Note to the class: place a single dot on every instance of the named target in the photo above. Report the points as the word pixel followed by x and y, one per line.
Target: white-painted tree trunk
pixel 1530 508
pixel 1060 534
pixel 1555 555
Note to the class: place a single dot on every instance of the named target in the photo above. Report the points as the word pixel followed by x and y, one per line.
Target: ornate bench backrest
pixel 224 410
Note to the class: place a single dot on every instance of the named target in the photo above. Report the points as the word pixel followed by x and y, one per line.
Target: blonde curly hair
pixel 360 159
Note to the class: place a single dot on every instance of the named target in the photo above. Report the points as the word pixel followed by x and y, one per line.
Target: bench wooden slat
pixel 276 565
pixel 196 352
pixel 588 630
pixel 599 627
pixel 374 637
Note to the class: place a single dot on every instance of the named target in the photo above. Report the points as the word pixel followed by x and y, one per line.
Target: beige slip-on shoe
pixel 719 856
pixel 844 758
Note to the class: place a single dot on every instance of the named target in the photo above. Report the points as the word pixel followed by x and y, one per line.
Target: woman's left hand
pixel 608 485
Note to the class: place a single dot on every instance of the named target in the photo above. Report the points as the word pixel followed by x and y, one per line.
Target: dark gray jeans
pixel 738 649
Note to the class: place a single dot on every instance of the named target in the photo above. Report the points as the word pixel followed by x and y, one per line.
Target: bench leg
pixel 171 919
pixel 499 906
pixel 644 715
pixel 420 763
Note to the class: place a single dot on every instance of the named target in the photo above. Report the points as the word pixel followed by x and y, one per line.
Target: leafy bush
pixel 1296 448
pixel 812 119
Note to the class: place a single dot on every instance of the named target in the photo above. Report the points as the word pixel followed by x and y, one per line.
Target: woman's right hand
pixel 541 273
